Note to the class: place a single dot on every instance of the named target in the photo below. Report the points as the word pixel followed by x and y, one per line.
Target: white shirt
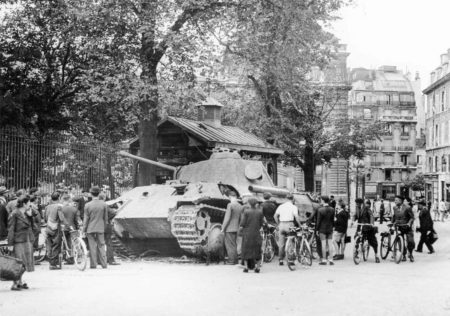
pixel 442 207
pixel 287 212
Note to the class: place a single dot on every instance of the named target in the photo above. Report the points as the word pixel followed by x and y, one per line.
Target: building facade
pixel 437 176
pixel 385 95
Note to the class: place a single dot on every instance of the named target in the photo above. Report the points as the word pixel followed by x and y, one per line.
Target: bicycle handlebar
pixel 363 224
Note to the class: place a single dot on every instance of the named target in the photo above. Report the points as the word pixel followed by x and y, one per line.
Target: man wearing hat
pixel 3 214
pixel 94 224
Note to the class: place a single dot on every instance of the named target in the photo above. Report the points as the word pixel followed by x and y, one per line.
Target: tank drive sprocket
pixel 196 228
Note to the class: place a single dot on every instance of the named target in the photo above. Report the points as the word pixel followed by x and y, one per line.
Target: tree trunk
pixel 148 146
pixel 309 167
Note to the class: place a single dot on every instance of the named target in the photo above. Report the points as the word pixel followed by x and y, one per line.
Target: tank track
pixel 120 249
pixel 191 225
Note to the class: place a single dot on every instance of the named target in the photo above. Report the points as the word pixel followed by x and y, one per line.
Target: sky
pixel 409 34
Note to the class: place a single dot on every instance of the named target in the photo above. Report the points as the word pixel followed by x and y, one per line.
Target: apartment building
pixel 387 95
pixel 437 176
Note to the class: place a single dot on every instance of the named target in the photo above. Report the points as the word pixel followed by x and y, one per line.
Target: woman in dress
pixel 21 237
pixel 250 226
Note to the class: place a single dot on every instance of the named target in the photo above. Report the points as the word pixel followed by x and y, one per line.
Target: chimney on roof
pixel 210 112
pixel 444 59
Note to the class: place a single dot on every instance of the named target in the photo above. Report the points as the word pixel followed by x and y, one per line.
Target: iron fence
pixel 50 163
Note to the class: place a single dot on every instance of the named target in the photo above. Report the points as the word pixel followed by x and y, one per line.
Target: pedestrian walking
pixel 442 210
pixel 230 227
pixel 425 228
pixel 54 218
pixel 325 223
pixel 340 230
pixel 332 202
pixel 250 226
pixel 285 215
pixel 112 212
pixel 21 237
pixel 95 219
pixel 435 208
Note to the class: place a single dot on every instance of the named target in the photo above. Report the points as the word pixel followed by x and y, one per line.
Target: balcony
pixel 372 148
pixel 407 103
pixel 388 149
pixel 405 148
pixel 376 163
pixel 404 134
pixel 398 118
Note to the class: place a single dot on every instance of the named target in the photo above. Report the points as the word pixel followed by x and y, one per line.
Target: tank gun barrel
pixel 274 191
pixel 152 162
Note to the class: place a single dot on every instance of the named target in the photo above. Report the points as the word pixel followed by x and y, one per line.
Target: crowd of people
pixel 330 222
pixel 22 214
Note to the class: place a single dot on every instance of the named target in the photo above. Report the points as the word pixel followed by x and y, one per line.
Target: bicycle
pixel 298 248
pixel 77 251
pixel 361 246
pixel 268 244
pixel 398 243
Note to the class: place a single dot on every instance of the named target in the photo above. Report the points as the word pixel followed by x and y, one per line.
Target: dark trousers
pixel 424 239
pixel 231 246
pixel 53 244
pixel 109 248
pixel 318 245
pixel 381 216
pixel 408 234
pixel 371 239
pixel 97 248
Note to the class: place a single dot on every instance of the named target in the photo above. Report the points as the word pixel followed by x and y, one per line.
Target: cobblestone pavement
pixel 162 288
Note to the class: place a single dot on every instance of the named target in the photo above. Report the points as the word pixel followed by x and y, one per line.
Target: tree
pixel 417 183
pixel 40 65
pixel 278 43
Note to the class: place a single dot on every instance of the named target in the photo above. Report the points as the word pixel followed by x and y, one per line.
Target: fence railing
pixel 49 163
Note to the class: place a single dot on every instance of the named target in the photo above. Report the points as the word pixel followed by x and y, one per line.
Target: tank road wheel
pixel 203 225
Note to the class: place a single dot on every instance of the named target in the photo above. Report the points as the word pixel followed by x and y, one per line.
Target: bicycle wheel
pixel 365 249
pixel 291 253
pixel 357 251
pixel 79 253
pixel 305 256
pixel 398 249
pixel 269 249
pixel 384 247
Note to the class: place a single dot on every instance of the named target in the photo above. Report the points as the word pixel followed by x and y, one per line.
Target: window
pixel 430 164
pixel 443 100
pixel 388 174
pixel 446 132
pixel 443 164
pixel 404 159
pixel 405 130
pixel 436 136
pixel 388 129
pixel 436 164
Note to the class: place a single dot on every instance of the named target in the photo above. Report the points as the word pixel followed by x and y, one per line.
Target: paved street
pixel 159 288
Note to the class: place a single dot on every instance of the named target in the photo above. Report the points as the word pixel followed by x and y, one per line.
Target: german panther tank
pixel 187 213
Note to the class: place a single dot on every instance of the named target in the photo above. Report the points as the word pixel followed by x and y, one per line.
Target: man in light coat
pixel 230 227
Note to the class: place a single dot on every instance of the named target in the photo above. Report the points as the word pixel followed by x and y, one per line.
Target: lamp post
pixel 358 165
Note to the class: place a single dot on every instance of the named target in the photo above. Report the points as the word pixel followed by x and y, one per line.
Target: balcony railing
pixel 396 118
pixel 404 134
pixel 405 148
pixel 388 148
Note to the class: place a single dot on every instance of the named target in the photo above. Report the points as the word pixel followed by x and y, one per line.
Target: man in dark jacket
pixel 404 216
pixel 325 222
pixel 230 227
pixel 269 208
pixel 366 217
pixel 95 220
pixel 340 230
pixel 426 227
